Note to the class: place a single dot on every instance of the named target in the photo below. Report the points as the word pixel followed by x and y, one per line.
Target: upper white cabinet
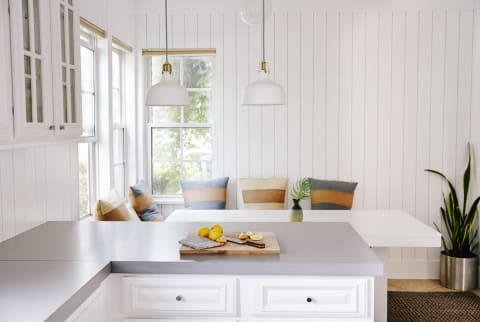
pixel 6 126
pixel 45 64
pixel 66 71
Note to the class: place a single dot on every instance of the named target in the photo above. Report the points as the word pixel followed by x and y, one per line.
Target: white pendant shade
pixel 167 92
pixel 264 91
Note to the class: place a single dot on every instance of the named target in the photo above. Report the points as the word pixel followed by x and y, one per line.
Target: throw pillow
pixel 264 193
pixel 331 195
pixel 142 202
pixel 113 208
pixel 208 194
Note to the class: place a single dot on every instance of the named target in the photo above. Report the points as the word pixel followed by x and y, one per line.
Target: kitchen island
pixel 55 267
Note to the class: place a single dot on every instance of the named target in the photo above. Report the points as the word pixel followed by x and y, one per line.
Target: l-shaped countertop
pixel 48 271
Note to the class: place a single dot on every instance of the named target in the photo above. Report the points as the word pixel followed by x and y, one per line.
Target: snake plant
pixel 459 220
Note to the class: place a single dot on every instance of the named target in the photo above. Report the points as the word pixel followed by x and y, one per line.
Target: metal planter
pixel 458 273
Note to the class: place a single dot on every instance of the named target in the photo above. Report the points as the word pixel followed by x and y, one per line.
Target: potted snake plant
pixel 458 260
pixel 300 191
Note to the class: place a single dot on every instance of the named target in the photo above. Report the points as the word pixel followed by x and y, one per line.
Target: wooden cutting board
pixel 229 248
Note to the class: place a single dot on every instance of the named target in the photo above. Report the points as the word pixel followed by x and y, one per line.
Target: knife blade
pixel 244 242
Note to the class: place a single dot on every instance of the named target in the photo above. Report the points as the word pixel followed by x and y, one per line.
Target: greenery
pixel 301 189
pixel 459 220
pixel 183 152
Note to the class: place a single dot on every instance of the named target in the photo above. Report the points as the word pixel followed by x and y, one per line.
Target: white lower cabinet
pixel 202 298
pixel 92 310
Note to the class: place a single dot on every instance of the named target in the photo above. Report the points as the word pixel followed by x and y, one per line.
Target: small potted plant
pixel 458 261
pixel 300 191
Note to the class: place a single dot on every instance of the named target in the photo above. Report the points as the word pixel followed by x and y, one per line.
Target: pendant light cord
pixel 263 30
pixel 166 32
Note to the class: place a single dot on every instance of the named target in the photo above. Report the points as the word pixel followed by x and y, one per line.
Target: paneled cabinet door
pixel 66 71
pixel 6 126
pixel 31 67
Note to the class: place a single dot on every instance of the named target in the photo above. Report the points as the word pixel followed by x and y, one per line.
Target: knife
pixel 245 242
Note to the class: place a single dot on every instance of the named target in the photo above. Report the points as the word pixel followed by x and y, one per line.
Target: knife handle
pixel 254 244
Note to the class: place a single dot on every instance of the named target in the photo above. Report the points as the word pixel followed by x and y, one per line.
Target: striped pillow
pixel 209 194
pixel 331 195
pixel 142 202
pixel 264 193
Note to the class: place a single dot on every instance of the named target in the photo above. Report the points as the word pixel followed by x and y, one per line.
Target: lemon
pixel 256 236
pixel 203 232
pixel 214 234
pixel 250 233
pixel 242 236
pixel 217 227
pixel 221 240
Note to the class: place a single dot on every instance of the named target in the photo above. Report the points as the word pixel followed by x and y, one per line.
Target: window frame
pixel 149 126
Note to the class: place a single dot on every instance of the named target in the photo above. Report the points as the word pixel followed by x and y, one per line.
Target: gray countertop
pixel 52 268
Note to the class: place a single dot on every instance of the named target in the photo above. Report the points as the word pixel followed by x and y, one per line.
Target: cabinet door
pixel 66 71
pixel 31 67
pixel 5 77
pixel 92 310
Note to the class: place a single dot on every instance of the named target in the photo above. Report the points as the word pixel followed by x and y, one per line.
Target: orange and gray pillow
pixel 264 193
pixel 207 194
pixel 331 195
pixel 113 208
pixel 142 202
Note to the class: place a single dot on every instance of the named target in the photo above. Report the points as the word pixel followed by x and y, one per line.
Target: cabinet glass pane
pixel 65 100
pixel 38 79
pixel 62 31
pixel 36 26
pixel 27 65
pixel 28 100
pixel 26 26
pixel 70 37
pixel 73 107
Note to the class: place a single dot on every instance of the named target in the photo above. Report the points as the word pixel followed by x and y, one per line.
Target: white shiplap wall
pixel 37 184
pixel 374 95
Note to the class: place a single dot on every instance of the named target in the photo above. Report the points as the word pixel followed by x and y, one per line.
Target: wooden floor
pixel 420 286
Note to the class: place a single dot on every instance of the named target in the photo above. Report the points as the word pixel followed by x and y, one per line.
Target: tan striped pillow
pixel 264 193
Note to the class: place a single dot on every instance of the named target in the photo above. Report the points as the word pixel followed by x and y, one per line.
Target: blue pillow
pixel 208 194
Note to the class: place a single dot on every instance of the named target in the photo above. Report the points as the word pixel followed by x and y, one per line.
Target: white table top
pixel 378 228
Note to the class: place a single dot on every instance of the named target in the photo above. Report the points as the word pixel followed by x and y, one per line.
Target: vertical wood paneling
pixel 218 41
pixel 191 28
pixel 281 113
pixel 178 31
pixel 332 97
pixel 204 31
pixel 371 109
pixel 7 195
pixel 153 23
pixel 319 98
pixel 358 107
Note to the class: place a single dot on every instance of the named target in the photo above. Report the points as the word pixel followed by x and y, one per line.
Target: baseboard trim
pixel 414 269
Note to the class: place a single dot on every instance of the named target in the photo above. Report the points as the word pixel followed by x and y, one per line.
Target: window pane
pixel 119 179
pixel 27 65
pixel 165 114
pixel 84 178
pixel 197 72
pixel 117 145
pixel 197 170
pixel 28 100
pixel 157 66
pixel 116 107
pixel 115 70
pixel 26 26
pixel 65 99
pixel 62 31
pixel 71 39
pixel 73 106
pixel 88 69
pixel 36 26
pixel 88 114
pixel 198 111
pixel 165 144
pixel 166 178
pixel 197 144
pixel 38 71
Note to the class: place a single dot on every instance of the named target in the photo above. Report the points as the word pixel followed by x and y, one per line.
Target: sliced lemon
pixel 250 233
pixel 215 234
pixel 203 232
pixel 256 237
pixel 242 236
pixel 221 240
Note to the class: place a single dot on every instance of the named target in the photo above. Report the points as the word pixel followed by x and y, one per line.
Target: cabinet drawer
pixel 172 296
pixel 335 297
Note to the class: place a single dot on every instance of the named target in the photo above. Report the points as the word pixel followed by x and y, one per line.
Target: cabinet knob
pixel 51 127
pixel 309 299
pixel 62 127
pixel 179 298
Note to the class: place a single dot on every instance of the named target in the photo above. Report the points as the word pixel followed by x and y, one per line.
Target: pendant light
pixel 167 92
pixel 264 91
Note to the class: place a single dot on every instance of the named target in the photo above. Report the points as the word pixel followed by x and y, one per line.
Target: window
pixel 118 123
pixel 181 137
pixel 87 150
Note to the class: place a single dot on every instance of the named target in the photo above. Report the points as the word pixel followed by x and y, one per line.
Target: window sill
pixel 168 200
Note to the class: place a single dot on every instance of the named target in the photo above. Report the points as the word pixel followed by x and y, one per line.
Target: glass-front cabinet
pixel 45 53
pixel 6 121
